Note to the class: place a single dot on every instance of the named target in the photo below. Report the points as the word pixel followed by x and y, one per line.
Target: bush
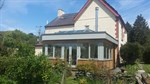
pixel 31 70
pixel 5 80
pixel 91 70
pixel 146 55
pixel 131 52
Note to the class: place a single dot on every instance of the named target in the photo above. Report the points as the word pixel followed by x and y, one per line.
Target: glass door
pixel 74 56
pixel 70 53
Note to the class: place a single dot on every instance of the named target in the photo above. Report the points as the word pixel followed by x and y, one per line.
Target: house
pixel 95 33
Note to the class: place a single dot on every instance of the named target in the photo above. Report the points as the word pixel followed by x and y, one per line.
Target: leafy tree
pixel 139 31
pixel 146 55
pixel 16 40
pixel 131 52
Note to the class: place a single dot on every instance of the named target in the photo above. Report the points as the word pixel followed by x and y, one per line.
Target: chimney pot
pixel 60 12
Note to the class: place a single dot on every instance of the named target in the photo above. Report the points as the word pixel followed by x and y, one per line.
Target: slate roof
pixel 69 19
pixel 65 19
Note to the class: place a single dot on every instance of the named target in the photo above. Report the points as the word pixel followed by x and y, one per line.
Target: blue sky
pixel 26 15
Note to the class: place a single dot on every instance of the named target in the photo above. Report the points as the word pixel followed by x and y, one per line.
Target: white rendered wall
pixel 38 50
pixel 122 42
pixel 50 30
pixel 106 19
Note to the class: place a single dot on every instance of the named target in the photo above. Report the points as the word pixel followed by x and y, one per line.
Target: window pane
pixel 94 49
pixel 50 51
pixel 58 51
pixel 84 50
pixel 105 53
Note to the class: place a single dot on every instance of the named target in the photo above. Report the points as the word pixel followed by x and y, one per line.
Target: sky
pixel 28 15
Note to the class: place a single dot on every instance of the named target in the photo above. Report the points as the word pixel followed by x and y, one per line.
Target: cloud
pixel 5 27
pixel 130 2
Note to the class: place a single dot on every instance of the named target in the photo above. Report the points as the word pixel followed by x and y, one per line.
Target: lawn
pixel 70 80
pixel 131 69
pixel 146 67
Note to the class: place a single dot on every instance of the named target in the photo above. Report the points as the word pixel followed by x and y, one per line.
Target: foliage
pixel 93 74
pixel 31 70
pixel 131 52
pixel 139 31
pixel 5 80
pixel 70 80
pixel 11 41
pixel 6 62
pixel 146 55
pixel 129 28
pixel 146 67
pixel 92 68
pixel 131 69
pixel 25 50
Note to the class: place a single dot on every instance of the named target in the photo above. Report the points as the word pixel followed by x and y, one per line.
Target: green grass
pixel 146 67
pixel 131 69
pixel 70 80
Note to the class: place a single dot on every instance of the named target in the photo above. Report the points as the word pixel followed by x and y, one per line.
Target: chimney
pixel 60 12
pixel 96 19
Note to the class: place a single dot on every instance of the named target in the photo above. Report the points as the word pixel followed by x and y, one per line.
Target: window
pixel 110 52
pixel 50 51
pixel 58 51
pixel 94 49
pixel 84 51
pixel 107 52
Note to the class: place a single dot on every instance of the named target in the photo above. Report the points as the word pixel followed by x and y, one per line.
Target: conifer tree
pixel 129 28
pixel 139 31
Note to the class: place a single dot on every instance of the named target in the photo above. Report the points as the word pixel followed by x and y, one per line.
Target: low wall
pixel 99 63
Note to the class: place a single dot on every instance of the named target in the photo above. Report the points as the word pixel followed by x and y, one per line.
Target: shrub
pixel 146 55
pixel 31 70
pixel 131 52
pixel 91 70
pixel 5 80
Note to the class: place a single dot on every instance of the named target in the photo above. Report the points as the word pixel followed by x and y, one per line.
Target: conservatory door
pixel 71 55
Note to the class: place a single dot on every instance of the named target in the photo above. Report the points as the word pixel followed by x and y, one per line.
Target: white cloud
pixel 130 3
pixel 4 27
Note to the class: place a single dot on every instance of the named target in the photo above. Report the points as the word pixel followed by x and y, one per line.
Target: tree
pixel 146 55
pixel 131 52
pixel 16 40
pixel 139 31
pixel 129 28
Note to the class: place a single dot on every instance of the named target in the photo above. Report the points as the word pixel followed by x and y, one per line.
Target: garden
pixel 19 65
